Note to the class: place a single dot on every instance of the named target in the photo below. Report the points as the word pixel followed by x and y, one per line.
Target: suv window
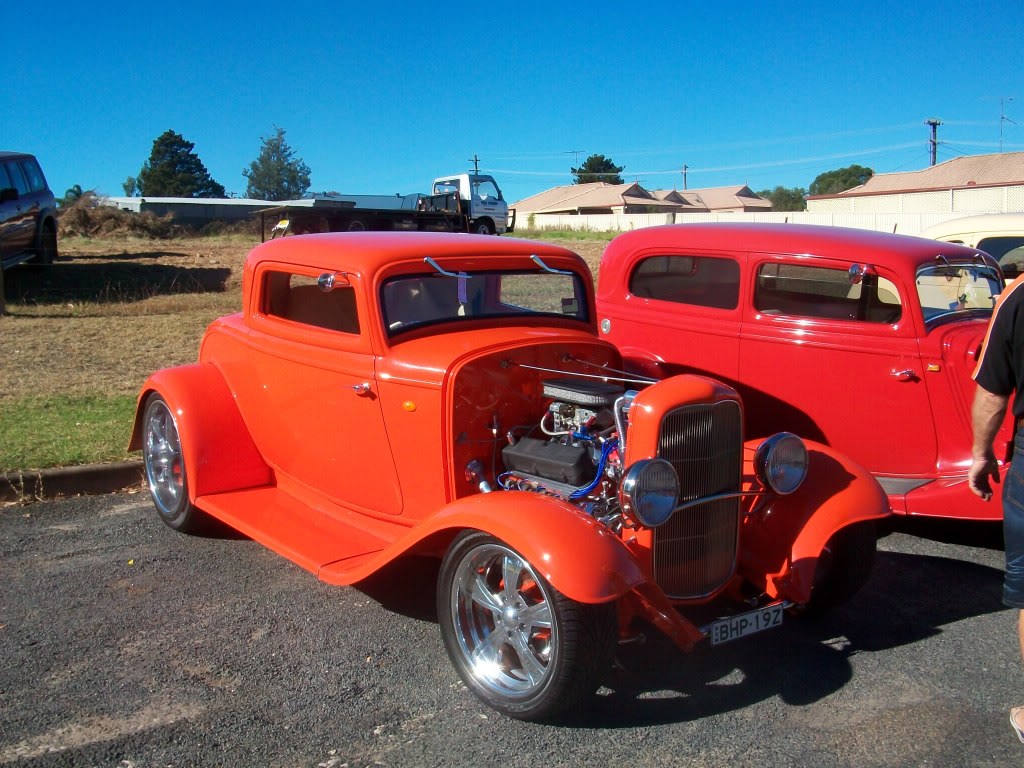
pixel 704 281
pixel 823 292
pixel 17 178
pixel 33 174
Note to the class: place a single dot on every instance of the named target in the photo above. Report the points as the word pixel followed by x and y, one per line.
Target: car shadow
pixel 106 282
pixel 804 661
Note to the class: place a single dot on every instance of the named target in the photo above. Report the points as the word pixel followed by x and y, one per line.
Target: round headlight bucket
pixel 780 462
pixel 650 492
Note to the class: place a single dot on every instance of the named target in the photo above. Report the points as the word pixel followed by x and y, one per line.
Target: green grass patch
pixel 62 430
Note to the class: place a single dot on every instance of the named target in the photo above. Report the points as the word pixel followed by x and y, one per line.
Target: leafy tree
pixel 131 187
pixel 174 170
pixel 598 168
pixel 276 174
pixel 786 199
pixel 840 180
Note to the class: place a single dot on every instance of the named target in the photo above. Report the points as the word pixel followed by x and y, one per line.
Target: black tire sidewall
pixel 550 699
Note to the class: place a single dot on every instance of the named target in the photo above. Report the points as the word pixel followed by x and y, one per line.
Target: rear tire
pixel 46 250
pixel 165 467
pixel 518 644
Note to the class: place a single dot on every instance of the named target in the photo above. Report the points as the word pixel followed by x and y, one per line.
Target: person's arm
pixel 986 416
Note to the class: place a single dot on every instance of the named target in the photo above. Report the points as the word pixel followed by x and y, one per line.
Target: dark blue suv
pixel 28 212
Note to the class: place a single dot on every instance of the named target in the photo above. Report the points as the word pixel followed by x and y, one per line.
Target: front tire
pixel 483 227
pixel 165 467
pixel 519 645
pixel 844 566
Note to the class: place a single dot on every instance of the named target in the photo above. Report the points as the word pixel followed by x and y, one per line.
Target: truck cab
pixel 478 196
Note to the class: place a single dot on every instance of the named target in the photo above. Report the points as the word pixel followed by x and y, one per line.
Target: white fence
pixel 903 223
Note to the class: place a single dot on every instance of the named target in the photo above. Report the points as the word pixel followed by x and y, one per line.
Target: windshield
pixel 948 287
pixel 415 300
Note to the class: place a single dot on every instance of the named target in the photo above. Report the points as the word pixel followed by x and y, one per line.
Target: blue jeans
pixel 1013 527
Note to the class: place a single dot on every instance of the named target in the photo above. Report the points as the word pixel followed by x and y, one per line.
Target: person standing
pixel 1000 378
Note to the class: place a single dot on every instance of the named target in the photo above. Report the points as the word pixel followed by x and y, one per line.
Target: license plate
pixel 744 624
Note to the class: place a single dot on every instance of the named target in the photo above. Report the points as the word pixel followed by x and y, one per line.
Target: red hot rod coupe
pixel 863 340
pixel 390 394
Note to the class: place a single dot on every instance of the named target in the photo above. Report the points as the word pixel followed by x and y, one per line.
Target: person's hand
pixel 982 474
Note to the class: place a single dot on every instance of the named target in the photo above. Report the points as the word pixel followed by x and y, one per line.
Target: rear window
pixel 825 293
pixel 703 281
pixel 1008 250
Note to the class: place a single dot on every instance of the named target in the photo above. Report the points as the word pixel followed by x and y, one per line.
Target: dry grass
pixel 84 333
pixel 111 311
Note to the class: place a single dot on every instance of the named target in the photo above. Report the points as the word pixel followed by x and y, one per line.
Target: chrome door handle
pixel 907 374
pixel 361 389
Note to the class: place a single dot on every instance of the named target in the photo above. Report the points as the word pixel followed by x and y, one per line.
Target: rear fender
pixel 783 536
pixel 578 556
pixel 219 452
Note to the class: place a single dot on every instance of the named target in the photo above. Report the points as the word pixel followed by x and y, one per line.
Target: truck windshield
pixel 945 288
pixel 413 301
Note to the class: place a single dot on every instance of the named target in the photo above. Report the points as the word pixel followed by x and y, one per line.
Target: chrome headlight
pixel 780 462
pixel 649 492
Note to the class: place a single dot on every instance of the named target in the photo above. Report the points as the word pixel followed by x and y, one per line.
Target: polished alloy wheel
pixel 165 466
pixel 502 616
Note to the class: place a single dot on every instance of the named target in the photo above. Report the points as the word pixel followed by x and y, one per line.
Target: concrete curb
pixel 30 485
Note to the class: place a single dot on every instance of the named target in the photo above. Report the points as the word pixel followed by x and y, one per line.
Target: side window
pixel 704 281
pixel 298 298
pixel 17 178
pixel 1007 250
pixel 33 175
pixel 5 179
pixel 823 292
pixel 487 190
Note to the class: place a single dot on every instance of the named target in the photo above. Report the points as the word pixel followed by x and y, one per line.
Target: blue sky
pixel 382 101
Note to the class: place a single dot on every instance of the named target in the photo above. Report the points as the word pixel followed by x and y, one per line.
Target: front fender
pixel 783 536
pixel 578 556
pixel 219 452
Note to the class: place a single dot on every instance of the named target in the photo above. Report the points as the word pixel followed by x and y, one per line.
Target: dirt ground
pixel 113 310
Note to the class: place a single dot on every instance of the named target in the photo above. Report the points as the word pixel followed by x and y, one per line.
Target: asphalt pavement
pixel 127 644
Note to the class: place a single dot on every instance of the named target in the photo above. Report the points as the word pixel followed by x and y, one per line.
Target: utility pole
pixel 1003 118
pixel 476 164
pixel 933 142
pixel 685 169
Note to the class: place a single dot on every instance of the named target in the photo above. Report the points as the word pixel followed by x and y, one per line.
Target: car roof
pixel 8 155
pixel 368 252
pixel 897 251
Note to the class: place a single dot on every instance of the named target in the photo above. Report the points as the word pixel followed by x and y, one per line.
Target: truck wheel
pixel 165 467
pixel 518 644
pixel 46 250
pixel 356 225
pixel 843 566
pixel 483 227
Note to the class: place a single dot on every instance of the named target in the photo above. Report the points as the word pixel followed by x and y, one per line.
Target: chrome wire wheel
pixel 503 623
pixel 165 465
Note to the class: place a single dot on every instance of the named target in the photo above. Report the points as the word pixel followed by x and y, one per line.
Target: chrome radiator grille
pixel 695 551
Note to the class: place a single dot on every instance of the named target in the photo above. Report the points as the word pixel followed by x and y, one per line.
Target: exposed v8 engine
pixel 581 444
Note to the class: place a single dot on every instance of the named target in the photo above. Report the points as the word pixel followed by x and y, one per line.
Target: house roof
pixel 719 198
pixel 976 170
pixel 575 197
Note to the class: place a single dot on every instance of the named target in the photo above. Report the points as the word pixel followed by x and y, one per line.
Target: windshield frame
pixel 417 300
